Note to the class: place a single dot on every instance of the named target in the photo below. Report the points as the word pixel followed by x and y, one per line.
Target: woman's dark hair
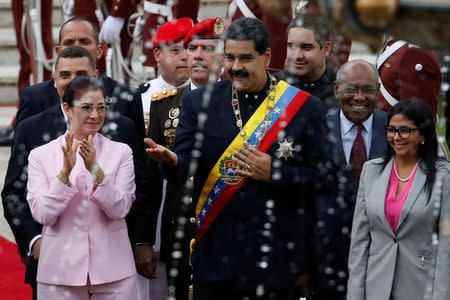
pixel 81 85
pixel 421 115
pixel 249 29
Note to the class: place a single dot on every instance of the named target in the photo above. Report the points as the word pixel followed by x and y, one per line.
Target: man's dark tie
pixel 358 156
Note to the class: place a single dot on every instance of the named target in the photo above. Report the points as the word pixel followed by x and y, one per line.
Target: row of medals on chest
pixel 267 115
pixel 173 120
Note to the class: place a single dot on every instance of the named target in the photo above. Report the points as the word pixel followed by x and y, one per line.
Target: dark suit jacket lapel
pixel 57 121
pixel 54 97
pixel 335 131
pixel 379 142
pixel 109 84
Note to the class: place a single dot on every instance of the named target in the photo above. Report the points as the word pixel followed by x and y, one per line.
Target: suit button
pixel 395 240
pixel 192 220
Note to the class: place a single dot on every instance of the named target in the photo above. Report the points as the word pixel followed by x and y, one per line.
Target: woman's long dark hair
pixel 422 117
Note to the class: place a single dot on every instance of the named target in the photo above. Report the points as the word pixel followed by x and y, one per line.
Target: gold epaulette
pixel 164 94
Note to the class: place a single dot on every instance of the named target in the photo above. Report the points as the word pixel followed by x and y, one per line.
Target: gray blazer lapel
pixel 379 191
pixel 416 188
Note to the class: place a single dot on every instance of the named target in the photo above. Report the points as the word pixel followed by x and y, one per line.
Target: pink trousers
pixel 117 290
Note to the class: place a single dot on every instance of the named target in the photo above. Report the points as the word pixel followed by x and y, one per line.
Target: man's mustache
pixel 239 73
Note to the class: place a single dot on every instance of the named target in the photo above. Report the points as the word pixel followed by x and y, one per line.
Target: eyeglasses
pixel 89 108
pixel 353 90
pixel 403 132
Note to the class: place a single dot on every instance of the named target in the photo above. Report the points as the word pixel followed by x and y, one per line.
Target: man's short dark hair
pixel 79 19
pixel 75 52
pixel 249 29
pixel 316 23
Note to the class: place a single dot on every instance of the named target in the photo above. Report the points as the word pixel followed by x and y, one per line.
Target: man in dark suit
pixel 42 128
pixel 356 90
pixel 80 32
pixel 252 168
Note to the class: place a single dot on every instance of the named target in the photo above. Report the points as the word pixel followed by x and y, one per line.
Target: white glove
pixel 68 6
pixel 139 27
pixel 111 28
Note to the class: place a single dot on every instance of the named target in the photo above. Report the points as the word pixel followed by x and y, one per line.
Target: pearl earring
pixel 423 143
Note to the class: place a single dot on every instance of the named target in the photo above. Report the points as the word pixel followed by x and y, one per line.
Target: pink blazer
pixel 84 229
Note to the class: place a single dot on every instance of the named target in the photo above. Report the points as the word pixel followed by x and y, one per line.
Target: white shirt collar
pixel 165 85
pixel 347 125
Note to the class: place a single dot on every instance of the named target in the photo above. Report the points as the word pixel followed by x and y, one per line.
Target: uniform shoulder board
pixel 164 94
pixel 142 88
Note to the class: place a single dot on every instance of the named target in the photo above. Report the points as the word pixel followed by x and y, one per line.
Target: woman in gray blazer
pixel 400 245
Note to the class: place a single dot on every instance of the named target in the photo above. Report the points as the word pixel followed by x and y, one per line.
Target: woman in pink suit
pixel 81 187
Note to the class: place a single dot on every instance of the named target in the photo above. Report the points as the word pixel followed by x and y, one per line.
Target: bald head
pixel 356 90
pixel 358 64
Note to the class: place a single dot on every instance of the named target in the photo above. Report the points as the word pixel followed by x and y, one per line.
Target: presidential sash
pixel 223 181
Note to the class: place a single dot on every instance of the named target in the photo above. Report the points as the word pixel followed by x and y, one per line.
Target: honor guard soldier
pixel 114 26
pixel 26 59
pixel 407 71
pixel 205 64
pixel 173 74
pixel 172 63
pixel 203 61
pixel 277 26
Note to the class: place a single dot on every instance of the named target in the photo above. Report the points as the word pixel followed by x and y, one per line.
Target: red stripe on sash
pixel 227 194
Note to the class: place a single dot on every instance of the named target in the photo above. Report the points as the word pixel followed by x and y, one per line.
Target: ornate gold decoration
pixel 219 28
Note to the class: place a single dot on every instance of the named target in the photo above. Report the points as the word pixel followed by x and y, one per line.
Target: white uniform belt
pixel 381 59
pixel 157 9
pixel 388 52
pixel 244 9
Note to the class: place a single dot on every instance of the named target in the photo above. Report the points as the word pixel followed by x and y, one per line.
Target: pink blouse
pixel 393 205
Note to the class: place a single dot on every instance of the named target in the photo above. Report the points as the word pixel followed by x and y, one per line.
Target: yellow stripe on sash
pixel 256 119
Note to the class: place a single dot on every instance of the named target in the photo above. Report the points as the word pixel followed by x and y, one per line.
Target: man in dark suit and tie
pixel 42 128
pixel 357 131
pixel 81 32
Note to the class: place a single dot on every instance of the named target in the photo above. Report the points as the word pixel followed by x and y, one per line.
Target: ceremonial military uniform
pixel 277 27
pixel 407 71
pixel 46 29
pixel 158 91
pixel 156 88
pixel 153 91
pixel 164 119
pixel 156 13
pixel 116 8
